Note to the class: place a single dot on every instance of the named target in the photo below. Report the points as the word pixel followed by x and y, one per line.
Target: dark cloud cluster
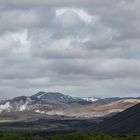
pixel 78 47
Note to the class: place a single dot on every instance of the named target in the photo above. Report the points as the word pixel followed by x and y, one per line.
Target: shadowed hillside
pixel 124 123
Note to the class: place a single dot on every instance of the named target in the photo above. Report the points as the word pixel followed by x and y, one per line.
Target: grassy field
pixel 6 121
pixel 32 135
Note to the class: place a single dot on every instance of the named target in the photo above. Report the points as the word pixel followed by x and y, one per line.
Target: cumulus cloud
pixel 81 48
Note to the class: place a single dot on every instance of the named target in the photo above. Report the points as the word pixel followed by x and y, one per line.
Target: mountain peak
pixel 51 96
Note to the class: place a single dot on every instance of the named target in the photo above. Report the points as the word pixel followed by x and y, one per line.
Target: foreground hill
pixel 124 123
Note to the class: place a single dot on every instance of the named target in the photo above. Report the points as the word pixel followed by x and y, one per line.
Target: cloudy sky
pixel 77 47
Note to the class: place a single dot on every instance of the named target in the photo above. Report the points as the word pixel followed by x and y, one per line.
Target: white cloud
pixel 82 13
pixel 76 47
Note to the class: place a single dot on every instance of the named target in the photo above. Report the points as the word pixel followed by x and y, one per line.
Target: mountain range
pixel 45 104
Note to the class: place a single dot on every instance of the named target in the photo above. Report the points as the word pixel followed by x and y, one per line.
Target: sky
pixel 77 47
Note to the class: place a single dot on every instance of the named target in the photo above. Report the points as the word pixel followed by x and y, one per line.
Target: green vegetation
pixel 31 135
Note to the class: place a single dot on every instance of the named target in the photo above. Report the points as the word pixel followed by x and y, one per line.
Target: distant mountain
pixel 41 102
pixel 56 96
pixel 54 103
pixel 124 123
pixel 114 99
pixel 53 96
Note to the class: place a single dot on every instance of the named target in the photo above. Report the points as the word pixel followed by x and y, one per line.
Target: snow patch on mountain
pixel 39 96
pixel 22 107
pixel 90 99
pixel 41 112
pixel 5 107
pixel 25 106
